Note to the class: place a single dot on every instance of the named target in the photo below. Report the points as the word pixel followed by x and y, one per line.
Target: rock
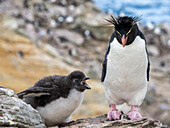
pixel 73 52
pixel 16 113
pixel 153 50
pixel 168 43
pixel 95 26
pixel 71 9
pixel 101 122
pixel 86 21
pixel 162 63
pixel 57 11
pixel 165 27
pixel 87 34
pixel 150 26
pixel 157 31
pixel 10 23
pixel 150 95
pixel 93 70
pixel 20 53
pixel 53 23
pixel 165 34
pixel 158 36
pixel 40 7
pixel 50 50
pixel 71 36
pixel 69 19
pixel 60 19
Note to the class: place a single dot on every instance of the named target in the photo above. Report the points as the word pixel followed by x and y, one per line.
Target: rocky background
pixel 46 37
pixel 16 113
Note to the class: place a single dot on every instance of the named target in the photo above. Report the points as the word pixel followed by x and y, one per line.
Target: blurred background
pixel 46 37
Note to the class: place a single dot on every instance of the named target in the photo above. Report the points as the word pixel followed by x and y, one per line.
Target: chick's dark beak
pixel 124 40
pixel 86 78
pixel 86 86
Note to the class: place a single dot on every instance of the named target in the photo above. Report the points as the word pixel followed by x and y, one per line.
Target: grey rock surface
pixel 41 26
pixel 101 122
pixel 69 36
pixel 16 113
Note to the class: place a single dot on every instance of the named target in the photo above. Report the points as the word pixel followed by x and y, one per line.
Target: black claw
pixel 112 119
pixel 127 117
pixel 121 115
pixel 122 112
pixel 108 120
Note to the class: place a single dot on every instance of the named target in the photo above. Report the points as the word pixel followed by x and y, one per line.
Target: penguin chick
pixel 56 97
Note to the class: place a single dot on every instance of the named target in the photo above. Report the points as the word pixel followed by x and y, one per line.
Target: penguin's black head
pixel 126 28
pixel 78 80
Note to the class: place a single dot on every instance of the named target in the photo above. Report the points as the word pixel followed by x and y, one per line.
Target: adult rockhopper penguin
pixel 56 97
pixel 126 67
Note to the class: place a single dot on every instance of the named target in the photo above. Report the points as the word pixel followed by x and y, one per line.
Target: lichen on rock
pixel 16 113
pixel 101 122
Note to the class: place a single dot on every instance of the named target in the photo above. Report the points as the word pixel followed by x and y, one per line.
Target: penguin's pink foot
pixel 134 114
pixel 114 114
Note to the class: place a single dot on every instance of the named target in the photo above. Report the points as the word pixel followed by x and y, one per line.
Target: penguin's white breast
pixel 126 66
pixel 61 109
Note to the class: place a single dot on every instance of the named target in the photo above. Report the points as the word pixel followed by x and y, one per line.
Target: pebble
pixel 42 33
pixel 69 19
pixel 73 52
pixel 149 25
pixel 152 86
pixel 164 107
pixel 168 43
pixel 20 54
pixel 52 1
pixel 71 8
pixel 53 23
pixel 153 50
pixel 162 63
pixel 157 31
pixel 87 34
pixel 60 19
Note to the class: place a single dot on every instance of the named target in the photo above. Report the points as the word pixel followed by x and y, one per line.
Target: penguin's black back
pixel 49 88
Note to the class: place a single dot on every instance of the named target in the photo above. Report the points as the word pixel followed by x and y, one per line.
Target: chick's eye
pixel 75 80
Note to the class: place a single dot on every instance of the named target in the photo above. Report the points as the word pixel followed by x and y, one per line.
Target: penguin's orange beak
pixel 124 40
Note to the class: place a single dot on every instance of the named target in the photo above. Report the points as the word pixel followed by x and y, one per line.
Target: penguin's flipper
pixel 105 60
pixel 148 67
pixel 104 70
pixel 34 91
